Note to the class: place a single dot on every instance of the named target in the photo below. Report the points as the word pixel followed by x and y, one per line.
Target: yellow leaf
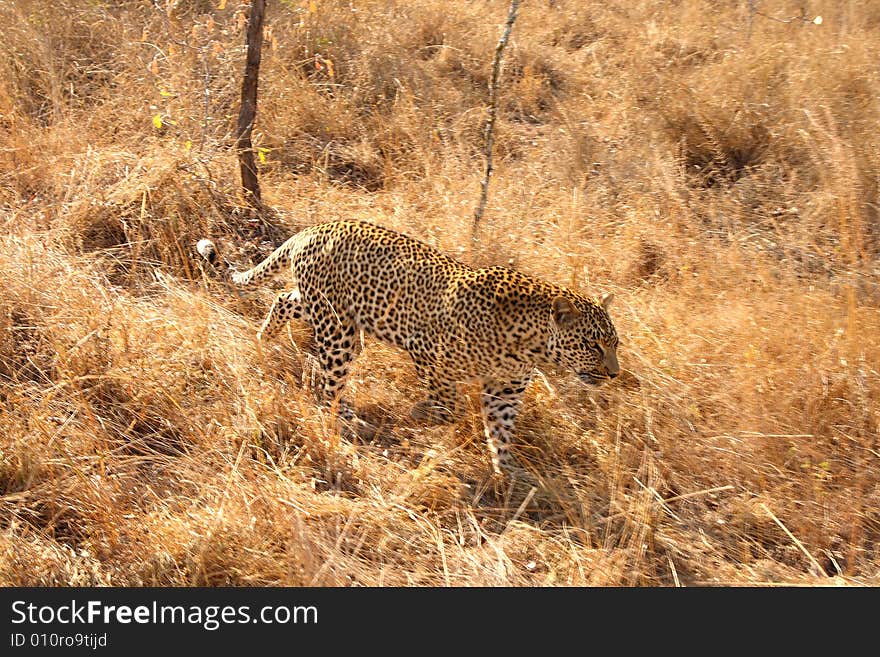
pixel 313 6
pixel 188 144
pixel 164 94
pixel 261 154
pixel 222 5
pixel 157 121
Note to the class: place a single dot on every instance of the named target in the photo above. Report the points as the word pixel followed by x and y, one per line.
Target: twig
pixel 818 570
pixel 657 496
pixel 672 568
pixel 753 11
pixel 804 18
pixel 488 131
pixel 294 505
pixel 522 507
pixel 676 498
pixel 207 96
pixel 717 489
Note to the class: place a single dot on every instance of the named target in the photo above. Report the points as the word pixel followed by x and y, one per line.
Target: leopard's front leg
pixel 500 403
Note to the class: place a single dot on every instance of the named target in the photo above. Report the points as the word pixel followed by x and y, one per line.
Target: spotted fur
pixel 458 324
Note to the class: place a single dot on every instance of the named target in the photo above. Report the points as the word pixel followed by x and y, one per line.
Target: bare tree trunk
pixel 248 111
pixel 488 131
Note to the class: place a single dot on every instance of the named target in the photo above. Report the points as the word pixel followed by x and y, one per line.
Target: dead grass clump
pixel 57 62
pixel 534 83
pixel 143 218
pixel 29 559
pixel 357 102
pixel 650 261
pixel 723 137
pixel 24 355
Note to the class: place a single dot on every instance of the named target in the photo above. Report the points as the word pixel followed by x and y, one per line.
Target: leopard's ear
pixel 606 300
pixel 564 312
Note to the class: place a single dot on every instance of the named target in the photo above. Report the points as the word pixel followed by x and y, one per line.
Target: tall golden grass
pixel 716 169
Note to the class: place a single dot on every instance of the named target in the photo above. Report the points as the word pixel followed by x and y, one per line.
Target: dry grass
pixel 719 175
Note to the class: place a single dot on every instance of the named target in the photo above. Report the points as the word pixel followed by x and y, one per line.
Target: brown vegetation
pixel 718 172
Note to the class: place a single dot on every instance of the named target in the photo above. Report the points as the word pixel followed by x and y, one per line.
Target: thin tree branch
pixel 488 131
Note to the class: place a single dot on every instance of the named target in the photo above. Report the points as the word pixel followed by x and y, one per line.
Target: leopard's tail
pixel 272 265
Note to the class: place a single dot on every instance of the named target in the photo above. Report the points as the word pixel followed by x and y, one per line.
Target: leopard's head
pixel 583 338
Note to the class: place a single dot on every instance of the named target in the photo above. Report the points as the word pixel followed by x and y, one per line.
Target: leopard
pixel 494 326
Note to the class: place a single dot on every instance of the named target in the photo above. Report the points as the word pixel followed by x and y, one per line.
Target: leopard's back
pixel 388 283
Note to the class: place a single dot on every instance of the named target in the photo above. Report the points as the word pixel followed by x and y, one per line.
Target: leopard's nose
pixel 611 366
